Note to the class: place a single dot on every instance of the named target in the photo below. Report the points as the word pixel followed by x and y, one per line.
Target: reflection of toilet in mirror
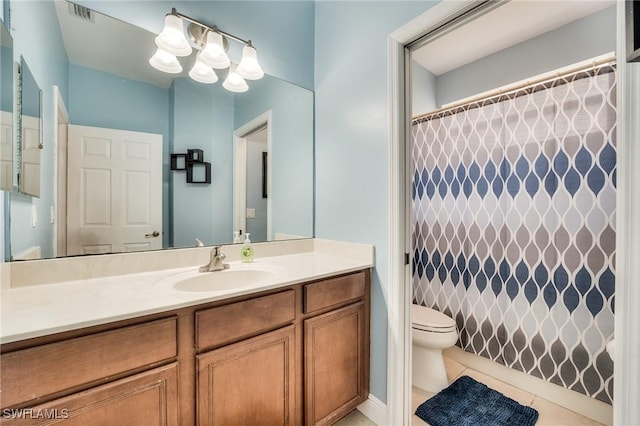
pixel 431 332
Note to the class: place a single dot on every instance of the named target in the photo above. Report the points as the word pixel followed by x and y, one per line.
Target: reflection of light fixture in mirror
pixel 202 72
pixel 165 61
pixel 249 67
pixel 212 44
pixel 213 53
pixel 172 38
pixel 234 81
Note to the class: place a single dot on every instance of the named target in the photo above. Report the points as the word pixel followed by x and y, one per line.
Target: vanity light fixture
pixel 212 45
pixel 234 82
pixel 202 72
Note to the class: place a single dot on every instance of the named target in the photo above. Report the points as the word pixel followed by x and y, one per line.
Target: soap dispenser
pixel 236 237
pixel 246 254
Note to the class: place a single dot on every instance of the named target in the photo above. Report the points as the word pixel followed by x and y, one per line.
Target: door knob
pixel 152 235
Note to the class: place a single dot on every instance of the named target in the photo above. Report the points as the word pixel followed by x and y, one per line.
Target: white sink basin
pixel 234 278
pixel 228 279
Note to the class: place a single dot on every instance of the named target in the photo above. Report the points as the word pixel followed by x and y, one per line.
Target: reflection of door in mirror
pixel 114 191
pixel 30 140
pixel 6 110
pixel 251 183
pixel 30 136
pixel 256 201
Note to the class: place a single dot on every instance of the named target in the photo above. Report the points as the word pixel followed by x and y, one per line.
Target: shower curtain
pixel 513 217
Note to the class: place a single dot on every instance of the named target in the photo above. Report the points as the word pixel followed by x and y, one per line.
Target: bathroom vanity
pixel 292 354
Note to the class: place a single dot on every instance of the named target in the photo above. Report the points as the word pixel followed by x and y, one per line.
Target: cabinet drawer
pixel 229 323
pixel 332 292
pixel 34 373
pixel 149 398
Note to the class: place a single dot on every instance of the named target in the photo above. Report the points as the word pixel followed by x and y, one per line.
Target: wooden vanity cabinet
pixel 148 398
pixel 251 382
pixel 336 348
pixel 334 364
pixel 120 374
pixel 289 356
pixel 249 378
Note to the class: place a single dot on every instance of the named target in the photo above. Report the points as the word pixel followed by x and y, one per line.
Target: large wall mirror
pixel 111 125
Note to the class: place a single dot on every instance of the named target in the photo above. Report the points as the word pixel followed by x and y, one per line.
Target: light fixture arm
pixel 207 27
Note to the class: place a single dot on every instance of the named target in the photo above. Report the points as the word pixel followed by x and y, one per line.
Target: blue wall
pixel 101 99
pixel 282 31
pixel 577 41
pixel 37 37
pixel 352 140
pixel 291 151
pixel 203 119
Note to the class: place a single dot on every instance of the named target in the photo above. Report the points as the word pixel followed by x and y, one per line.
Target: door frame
pixel 240 170
pixel 627 328
pixel 60 118
pixel 399 278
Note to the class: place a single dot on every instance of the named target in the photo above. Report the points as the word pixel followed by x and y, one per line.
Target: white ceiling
pixel 507 25
pixel 112 46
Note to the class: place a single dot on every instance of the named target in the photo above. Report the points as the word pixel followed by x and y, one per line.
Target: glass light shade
pixel 172 38
pixel 234 81
pixel 213 53
pixel 165 61
pixel 202 73
pixel 249 67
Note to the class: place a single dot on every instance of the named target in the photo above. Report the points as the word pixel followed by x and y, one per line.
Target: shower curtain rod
pixel 590 64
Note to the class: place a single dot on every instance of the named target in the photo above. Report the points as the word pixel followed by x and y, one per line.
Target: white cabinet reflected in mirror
pixel 6 110
pixel 30 134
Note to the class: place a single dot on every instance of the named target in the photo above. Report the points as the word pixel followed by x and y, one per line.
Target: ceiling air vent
pixel 81 12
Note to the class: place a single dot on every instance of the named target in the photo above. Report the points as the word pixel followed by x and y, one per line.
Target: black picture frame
pixel 179 162
pixel 195 155
pixel 191 165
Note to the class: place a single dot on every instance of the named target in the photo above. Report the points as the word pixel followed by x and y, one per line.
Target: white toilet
pixel 431 331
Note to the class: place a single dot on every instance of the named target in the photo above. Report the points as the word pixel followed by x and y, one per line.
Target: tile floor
pixel 550 414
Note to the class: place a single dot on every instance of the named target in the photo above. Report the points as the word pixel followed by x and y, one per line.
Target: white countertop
pixel 34 311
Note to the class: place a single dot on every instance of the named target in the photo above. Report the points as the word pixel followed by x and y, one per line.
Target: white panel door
pixel 30 140
pixel 114 200
pixel 6 151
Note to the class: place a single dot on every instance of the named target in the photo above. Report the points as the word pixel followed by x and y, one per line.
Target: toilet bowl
pixel 431 332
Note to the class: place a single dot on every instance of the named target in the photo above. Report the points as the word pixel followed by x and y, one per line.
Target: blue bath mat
pixel 467 402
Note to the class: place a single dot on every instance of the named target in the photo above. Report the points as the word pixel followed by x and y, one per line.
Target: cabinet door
pixel 335 364
pixel 251 382
pixel 149 398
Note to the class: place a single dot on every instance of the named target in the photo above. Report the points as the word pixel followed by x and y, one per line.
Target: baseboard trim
pixel 571 400
pixel 375 410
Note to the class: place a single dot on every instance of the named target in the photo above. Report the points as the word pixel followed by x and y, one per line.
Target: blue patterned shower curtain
pixel 513 205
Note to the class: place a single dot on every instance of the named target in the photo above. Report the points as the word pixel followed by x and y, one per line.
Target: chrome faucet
pixel 216 261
